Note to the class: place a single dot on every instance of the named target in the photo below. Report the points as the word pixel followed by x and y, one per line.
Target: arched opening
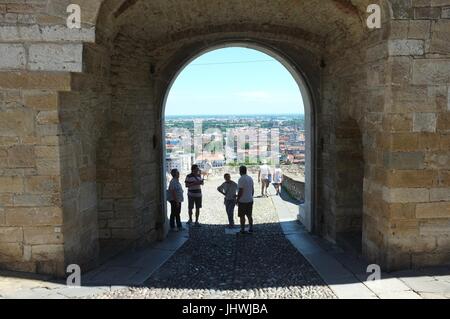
pixel 304 186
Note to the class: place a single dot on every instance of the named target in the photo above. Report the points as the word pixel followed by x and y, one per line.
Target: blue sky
pixel 234 81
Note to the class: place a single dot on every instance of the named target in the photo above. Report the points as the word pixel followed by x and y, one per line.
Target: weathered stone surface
pixel 35 80
pixel 41 184
pixel 16 123
pixel 21 156
pixel 406 47
pixel 431 71
pixel 404 160
pixel 42 101
pixel 42 216
pixel 406 195
pixel 424 122
pixel 10 252
pixel 55 57
pixel 47 252
pixel 11 184
pixel 433 210
pixel 44 235
pixel 53 33
pixel 11 234
pixel 13 56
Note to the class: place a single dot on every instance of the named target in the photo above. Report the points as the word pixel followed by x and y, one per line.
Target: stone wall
pixel 294 186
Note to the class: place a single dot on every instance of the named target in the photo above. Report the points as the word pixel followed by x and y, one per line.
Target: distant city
pixel 217 141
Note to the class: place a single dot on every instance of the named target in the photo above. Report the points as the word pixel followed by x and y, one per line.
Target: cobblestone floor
pixel 213 264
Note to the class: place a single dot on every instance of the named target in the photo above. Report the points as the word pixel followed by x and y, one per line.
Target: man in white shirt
pixel 263 178
pixel 245 199
pixel 278 179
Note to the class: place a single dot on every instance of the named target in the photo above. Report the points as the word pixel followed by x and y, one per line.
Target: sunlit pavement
pixel 280 260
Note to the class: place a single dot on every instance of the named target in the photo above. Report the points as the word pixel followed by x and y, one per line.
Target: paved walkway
pixel 217 263
pixel 280 260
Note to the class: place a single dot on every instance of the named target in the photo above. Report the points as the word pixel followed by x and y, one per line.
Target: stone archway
pixel 117 69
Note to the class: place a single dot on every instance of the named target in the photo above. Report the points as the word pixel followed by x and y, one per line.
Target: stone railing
pixel 295 186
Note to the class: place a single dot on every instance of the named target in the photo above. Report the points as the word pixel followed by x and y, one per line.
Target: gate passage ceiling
pixel 163 21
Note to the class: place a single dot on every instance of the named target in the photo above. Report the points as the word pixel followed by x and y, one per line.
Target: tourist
pixel 193 183
pixel 229 190
pixel 207 167
pixel 245 199
pixel 175 197
pixel 278 179
pixel 263 178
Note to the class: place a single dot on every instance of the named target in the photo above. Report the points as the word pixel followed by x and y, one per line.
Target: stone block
pixel 433 210
pixel 443 122
pixel 404 142
pixel 56 57
pixel 42 101
pixel 121 223
pixel 10 252
pixel 440 195
pixel 427 13
pixel 431 71
pixel 410 178
pixel 11 184
pixel 57 81
pixel 424 122
pixel 49 152
pixel 51 33
pixel 404 160
pixel 443 179
pixel 43 235
pixel 47 117
pixel 21 156
pixel 419 29
pixel 397 123
pixel 440 37
pixel 446 13
pixel 47 167
pixel 406 195
pixel 429 142
pixel 29 200
pixel 434 227
pixel 16 123
pixel 13 56
pixel 41 184
pixel 437 160
pixel 11 235
pixel 406 47
pixel 401 211
pixel 33 216
pixel 52 253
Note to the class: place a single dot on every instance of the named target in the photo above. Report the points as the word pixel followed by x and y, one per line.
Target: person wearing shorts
pixel 245 199
pixel 193 183
pixel 264 179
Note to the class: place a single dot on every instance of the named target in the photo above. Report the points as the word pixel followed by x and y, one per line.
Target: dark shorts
pixel 194 201
pixel 245 209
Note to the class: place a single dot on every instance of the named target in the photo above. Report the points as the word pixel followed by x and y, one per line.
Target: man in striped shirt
pixel 194 184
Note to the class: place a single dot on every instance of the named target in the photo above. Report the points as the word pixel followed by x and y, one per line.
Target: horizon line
pixel 262 114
